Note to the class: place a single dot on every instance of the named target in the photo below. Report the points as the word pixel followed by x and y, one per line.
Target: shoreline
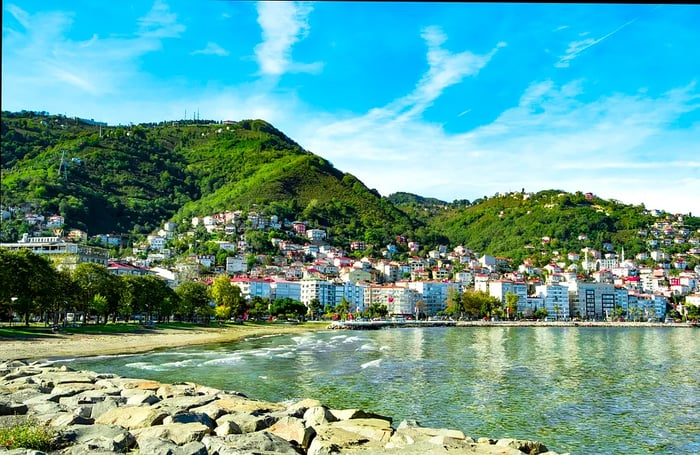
pixel 67 346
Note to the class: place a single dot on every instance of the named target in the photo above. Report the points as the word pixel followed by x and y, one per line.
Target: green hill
pixel 130 179
pixel 124 179
pixel 520 225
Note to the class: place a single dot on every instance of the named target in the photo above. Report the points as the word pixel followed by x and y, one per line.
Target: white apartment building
pixel 500 288
pixel 398 299
pixel 322 290
pixel 555 299
pixel 253 287
pixel 433 293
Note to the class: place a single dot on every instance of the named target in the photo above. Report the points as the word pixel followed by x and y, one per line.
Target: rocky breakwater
pixel 98 413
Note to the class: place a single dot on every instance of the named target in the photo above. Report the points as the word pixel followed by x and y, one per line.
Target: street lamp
pixel 12 310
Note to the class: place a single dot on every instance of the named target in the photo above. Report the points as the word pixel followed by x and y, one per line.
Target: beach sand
pixel 55 346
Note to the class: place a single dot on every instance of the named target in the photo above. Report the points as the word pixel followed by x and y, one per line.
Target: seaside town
pixel 599 282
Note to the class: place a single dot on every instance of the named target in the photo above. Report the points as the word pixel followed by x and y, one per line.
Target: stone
pixel 248 422
pixel 10 408
pixel 347 414
pixel 331 440
pixel 374 429
pixel 318 415
pixel 179 433
pixel 227 427
pixel 147 399
pixel 262 443
pixel 132 417
pixel 293 430
pixel 190 417
pixel 526 446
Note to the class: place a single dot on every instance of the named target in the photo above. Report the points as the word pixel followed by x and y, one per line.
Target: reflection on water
pixel 583 390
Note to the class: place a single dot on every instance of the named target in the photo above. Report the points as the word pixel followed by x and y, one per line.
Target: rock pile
pixel 97 413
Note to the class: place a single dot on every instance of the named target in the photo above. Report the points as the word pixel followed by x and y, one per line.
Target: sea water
pixel 584 390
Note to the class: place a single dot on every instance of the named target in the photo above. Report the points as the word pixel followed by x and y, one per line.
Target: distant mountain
pixel 130 179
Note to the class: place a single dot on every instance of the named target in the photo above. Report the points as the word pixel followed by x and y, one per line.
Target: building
pixel 555 299
pixel 433 293
pixel 64 255
pixel 398 300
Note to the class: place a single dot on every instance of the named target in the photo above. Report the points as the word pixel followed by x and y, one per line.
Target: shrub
pixel 27 433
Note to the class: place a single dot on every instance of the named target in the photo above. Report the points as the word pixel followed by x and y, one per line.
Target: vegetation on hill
pixel 521 225
pixel 130 179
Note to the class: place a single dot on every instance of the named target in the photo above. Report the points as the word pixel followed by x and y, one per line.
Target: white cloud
pixel 576 48
pixel 211 49
pixel 283 24
pixel 618 146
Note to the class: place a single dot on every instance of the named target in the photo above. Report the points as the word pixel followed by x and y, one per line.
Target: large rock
pixel 179 433
pixel 318 415
pixel 248 422
pixel 293 430
pixel 332 440
pixel 530 447
pixel 132 417
pixel 262 443
pixel 109 438
pixel 347 414
pixel 166 447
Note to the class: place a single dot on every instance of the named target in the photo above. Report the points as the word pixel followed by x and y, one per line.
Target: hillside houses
pixel 596 282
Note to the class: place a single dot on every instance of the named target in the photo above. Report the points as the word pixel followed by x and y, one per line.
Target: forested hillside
pixel 130 179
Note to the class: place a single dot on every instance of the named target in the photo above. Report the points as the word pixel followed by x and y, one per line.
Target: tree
pixel 93 279
pixel 193 300
pixel 228 297
pixel 512 304
pixel 27 283
pixel 315 307
pixel 454 306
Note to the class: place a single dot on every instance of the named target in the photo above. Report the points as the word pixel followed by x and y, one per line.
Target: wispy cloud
pixel 576 48
pixel 211 49
pixel 610 144
pixel 40 53
pixel 283 25
pixel 160 22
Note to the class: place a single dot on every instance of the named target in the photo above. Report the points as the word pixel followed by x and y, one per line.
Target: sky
pixel 444 100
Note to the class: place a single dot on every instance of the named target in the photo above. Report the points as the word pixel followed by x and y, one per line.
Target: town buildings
pixel 593 283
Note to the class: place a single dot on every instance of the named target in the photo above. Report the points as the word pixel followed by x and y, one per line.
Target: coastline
pixel 66 346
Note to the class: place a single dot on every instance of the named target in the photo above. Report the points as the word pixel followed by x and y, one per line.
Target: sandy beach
pixel 55 346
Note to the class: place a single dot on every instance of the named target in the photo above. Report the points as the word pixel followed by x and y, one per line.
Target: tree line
pixel 32 288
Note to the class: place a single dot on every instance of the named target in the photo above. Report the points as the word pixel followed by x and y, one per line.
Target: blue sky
pixel 446 100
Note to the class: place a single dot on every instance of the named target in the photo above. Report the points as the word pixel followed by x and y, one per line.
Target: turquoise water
pixel 578 390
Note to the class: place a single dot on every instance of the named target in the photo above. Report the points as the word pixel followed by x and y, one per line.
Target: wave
pixel 373 363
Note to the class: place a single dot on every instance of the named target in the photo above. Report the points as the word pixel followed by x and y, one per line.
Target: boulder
pixel 108 438
pixel 318 415
pixel 293 430
pixel 530 447
pixel 10 408
pixel 179 433
pixel 248 422
pixel 262 443
pixel 132 417
pixel 347 414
